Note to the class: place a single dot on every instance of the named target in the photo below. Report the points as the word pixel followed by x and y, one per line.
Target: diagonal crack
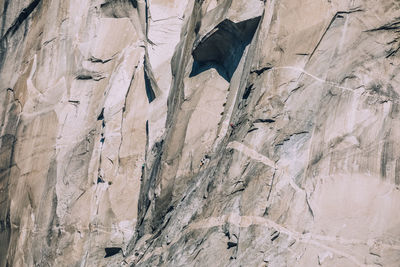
pixel 337 14
pixel 20 19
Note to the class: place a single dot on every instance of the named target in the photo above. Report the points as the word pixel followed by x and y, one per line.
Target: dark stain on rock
pixel 317 157
pixel 397 172
pixel 386 156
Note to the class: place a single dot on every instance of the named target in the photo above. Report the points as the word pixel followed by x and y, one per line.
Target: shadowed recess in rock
pixel 101 115
pixel 111 251
pixel 223 47
pixel 118 8
pixel 149 89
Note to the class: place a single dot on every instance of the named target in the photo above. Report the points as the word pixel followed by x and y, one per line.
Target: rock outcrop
pixel 199 133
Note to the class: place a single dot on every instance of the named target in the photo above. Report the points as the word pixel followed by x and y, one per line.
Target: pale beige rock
pixel 199 133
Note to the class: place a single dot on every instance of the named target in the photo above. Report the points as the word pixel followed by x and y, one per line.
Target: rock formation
pixel 199 133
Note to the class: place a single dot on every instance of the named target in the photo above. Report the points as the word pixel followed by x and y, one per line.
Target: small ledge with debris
pixel 99 60
pixel 89 75
pixel 75 102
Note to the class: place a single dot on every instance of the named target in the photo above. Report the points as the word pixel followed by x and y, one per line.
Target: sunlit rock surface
pixel 199 133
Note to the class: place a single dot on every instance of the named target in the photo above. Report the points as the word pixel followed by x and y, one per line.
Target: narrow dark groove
pixel 247 91
pixel 152 89
pixel 149 89
pixel 264 121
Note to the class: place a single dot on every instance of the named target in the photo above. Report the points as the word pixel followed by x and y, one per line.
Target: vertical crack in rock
pixel 149 90
pixel 123 115
pixel 151 86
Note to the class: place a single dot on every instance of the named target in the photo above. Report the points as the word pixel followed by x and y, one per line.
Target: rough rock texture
pixel 199 133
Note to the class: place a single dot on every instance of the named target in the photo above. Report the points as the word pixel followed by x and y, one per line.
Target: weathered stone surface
pixel 199 133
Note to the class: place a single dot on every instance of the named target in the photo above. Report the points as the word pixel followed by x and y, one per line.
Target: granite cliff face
pixel 199 133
